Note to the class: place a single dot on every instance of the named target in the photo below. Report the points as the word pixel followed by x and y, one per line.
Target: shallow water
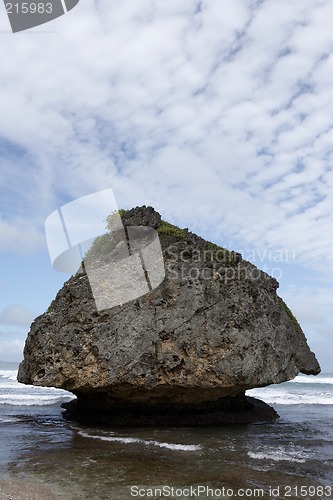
pixel 83 462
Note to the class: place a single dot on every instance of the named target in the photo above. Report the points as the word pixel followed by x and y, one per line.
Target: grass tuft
pixel 167 229
pixel 215 252
pixel 292 317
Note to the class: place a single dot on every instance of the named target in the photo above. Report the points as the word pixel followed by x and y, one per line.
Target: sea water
pixel 290 458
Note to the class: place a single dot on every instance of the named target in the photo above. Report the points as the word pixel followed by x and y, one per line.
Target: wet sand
pixel 17 489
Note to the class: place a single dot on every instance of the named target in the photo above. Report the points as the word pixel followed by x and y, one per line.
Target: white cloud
pixel 153 77
pixel 312 306
pixel 17 235
pixel 14 314
pixel 11 347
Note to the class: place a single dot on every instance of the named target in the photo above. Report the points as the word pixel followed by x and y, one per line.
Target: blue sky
pixel 218 113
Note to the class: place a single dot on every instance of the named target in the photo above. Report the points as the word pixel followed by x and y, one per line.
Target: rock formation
pixel 184 352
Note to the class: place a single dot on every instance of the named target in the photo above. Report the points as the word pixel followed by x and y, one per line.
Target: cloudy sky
pixel 219 113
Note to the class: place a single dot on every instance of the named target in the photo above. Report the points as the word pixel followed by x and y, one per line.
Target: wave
pixel 32 400
pixel 8 420
pixel 13 393
pixel 283 397
pixel 8 386
pixel 302 390
pixel 130 440
pixel 16 387
pixel 9 374
pixel 278 454
pixel 306 379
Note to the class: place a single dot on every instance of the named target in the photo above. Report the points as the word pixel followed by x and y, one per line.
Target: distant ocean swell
pixel 14 394
pixel 303 390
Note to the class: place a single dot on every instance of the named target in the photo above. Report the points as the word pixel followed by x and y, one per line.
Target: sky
pixel 218 113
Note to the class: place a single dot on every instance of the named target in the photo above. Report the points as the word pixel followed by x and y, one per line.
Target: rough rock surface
pixel 214 328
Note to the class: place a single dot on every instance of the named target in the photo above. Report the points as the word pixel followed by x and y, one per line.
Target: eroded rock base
pixel 225 411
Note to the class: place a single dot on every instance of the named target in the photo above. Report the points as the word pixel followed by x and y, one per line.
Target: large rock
pixel 214 328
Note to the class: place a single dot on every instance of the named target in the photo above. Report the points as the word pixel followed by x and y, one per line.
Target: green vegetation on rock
pixel 167 229
pixel 102 246
pixel 215 252
pixel 50 309
pixel 292 317
pixel 105 244
pixel 112 216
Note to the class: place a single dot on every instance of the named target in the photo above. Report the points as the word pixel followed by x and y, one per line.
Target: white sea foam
pixel 283 397
pixel 305 379
pixel 32 400
pixel 8 374
pixel 15 394
pixel 130 440
pixel 7 420
pixel 279 453
pixel 8 385
pixel 303 390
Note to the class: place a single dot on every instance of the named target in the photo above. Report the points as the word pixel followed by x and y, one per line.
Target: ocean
pixel 291 458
